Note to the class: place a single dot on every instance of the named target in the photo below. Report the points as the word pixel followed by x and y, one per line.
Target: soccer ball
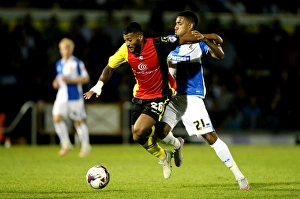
pixel 97 177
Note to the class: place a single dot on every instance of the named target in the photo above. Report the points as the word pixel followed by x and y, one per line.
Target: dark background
pixel 253 88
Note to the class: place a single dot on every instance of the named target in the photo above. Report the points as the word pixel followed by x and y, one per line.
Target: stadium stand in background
pixel 251 89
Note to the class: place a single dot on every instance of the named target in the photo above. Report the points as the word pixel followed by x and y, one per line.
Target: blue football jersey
pixel 72 69
pixel 189 74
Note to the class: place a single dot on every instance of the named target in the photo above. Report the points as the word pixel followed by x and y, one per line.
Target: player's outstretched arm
pixel 104 77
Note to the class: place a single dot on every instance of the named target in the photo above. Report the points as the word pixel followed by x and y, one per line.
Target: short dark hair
pixel 132 27
pixel 191 16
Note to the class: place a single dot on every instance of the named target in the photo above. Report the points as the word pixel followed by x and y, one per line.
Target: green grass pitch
pixel 38 172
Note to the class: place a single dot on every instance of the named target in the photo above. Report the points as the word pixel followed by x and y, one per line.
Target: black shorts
pixel 154 108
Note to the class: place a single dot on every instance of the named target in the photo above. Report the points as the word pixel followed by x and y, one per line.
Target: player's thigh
pixel 76 110
pixel 172 115
pixel 196 118
pixel 143 125
pixel 60 109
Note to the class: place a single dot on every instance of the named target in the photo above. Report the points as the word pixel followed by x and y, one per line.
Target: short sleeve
pixel 119 57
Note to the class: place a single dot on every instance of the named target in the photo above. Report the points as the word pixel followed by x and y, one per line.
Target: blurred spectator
pixel 224 102
pixel 237 86
pixel 274 112
pixel 156 23
pixel 84 30
pixel 214 88
pixel 112 28
pixel 251 114
pixel 97 60
pixel 201 6
pixel 52 32
pixel 196 6
pixel 267 74
pixel 232 121
pixel 270 7
pixel 294 52
pixel 279 43
pixel 228 64
pixel 235 6
pixel 81 50
pixel 283 100
pixel 6 52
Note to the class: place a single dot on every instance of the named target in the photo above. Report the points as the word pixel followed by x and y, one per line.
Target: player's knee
pixel 210 138
pixel 135 137
pixel 140 139
pixel 139 135
pixel 57 118
pixel 77 123
pixel 162 129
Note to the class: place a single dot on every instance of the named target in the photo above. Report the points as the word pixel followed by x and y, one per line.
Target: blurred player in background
pixel 188 105
pixel 153 90
pixel 70 75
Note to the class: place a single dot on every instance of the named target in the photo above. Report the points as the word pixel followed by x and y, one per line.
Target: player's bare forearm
pixel 106 74
pixel 215 50
pixel 194 37
pixel 104 77
pixel 55 83
pixel 212 36
pixel 214 42
pixel 79 80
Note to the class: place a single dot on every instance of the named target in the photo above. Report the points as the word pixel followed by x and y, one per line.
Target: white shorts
pixel 192 111
pixel 74 109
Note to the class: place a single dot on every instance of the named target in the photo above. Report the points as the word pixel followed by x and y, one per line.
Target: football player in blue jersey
pixel 187 105
pixel 70 75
